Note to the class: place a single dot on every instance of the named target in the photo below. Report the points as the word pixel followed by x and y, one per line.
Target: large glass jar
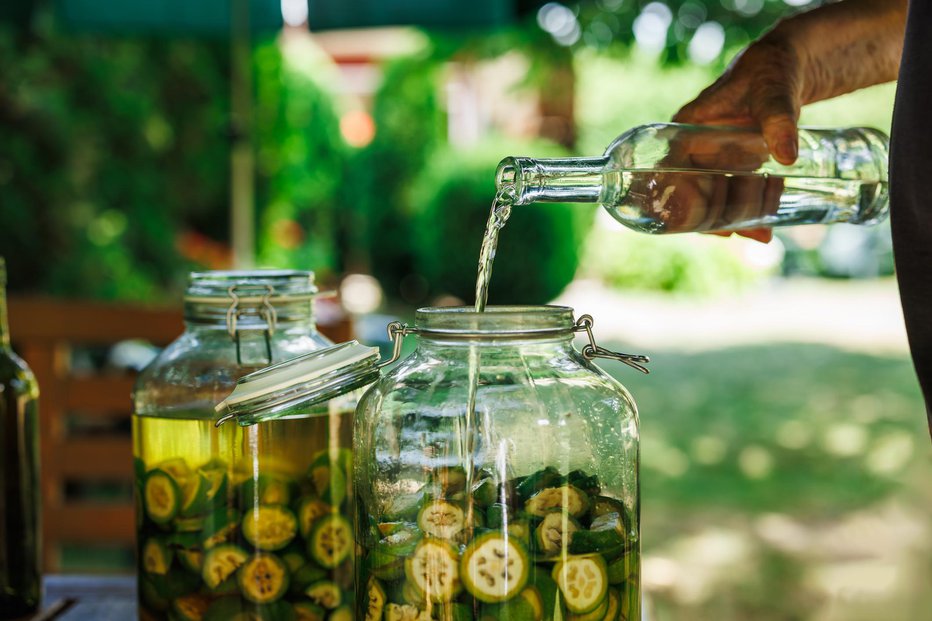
pixel 496 476
pixel 241 522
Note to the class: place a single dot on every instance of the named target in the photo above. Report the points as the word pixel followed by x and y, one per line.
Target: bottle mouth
pixel 495 322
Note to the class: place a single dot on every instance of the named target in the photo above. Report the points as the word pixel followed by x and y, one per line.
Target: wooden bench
pixel 84 414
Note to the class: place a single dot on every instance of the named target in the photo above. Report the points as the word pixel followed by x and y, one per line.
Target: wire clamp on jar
pixel 397 332
pixel 266 312
pixel 594 350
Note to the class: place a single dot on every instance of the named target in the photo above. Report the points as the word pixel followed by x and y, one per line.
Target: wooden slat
pixel 96 459
pixel 82 322
pixel 100 395
pixel 90 523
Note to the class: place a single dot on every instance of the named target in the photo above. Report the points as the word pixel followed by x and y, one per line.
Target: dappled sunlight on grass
pixel 784 482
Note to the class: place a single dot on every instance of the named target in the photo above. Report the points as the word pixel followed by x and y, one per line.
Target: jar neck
pixel 553 180
pixel 250 315
pixel 497 326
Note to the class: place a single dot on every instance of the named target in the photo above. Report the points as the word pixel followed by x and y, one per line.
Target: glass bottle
pixel 240 522
pixel 20 580
pixel 674 178
pixel 496 475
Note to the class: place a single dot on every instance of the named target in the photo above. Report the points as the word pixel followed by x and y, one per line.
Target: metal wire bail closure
pixel 594 350
pixel 267 312
pixel 397 331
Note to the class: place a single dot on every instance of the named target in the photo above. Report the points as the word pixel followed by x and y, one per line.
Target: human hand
pixel 708 182
pixel 761 88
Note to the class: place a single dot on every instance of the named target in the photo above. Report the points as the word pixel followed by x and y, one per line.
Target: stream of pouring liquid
pixel 498 216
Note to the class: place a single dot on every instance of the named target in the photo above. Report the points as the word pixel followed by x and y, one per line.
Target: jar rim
pixel 272 284
pixel 495 321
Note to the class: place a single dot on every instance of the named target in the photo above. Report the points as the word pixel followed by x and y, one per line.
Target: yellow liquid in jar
pixel 264 478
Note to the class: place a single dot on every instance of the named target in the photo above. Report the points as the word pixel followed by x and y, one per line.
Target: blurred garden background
pixel 786 460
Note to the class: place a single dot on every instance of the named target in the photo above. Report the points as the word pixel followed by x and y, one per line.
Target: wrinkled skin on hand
pixel 696 202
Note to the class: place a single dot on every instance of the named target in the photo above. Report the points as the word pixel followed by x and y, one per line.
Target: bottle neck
pixel 553 180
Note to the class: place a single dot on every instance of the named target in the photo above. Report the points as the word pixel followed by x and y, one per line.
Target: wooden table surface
pixel 88 598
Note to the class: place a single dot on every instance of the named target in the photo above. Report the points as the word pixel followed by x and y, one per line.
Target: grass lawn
pixel 784 482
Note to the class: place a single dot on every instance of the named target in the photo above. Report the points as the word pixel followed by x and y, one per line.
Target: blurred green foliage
pixel 108 145
pixel 301 161
pixel 540 243
pixel 409 127
pixel 685 264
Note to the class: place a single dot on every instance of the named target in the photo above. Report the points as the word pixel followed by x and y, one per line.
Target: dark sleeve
pixel 911 190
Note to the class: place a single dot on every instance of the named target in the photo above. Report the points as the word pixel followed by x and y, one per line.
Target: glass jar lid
pixel 304 381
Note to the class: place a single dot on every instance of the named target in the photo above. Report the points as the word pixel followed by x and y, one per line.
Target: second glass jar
pixel 497 477
pixel 241 522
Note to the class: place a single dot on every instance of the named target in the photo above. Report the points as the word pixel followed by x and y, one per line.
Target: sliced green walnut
pixel 306 611
pixel 596 614
pixel 516 609
pixel 606 536
pixel 621 569
pixel 176 467
pixel 191 559
pixel 325 593
pixel 549 592
pixel 449 480
pixel 536 601
pixel 520 530
pixel 219 527
pixel 269 527
pixel 375 600
pixel 343 613
pixel 484 492
pixel 222 562
pixel 190 607
pixel 494 567
pixel 194 496
pixel 606 504
pixel 583 581
pixel 161 496
pixel 614 606
pixel 410 594
pixel 433 568
pixel 589 483
pixel 305 577
pixel 331 541
pixel 530 485
pixel 441 519
pixel 204 488
pixel 265 489
pixel 309 511
pixel 405 507
pixel 564 498
pixel 405 612
pixel 554 533
pixel 329 482
pixel 156 557
pixel 263 578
